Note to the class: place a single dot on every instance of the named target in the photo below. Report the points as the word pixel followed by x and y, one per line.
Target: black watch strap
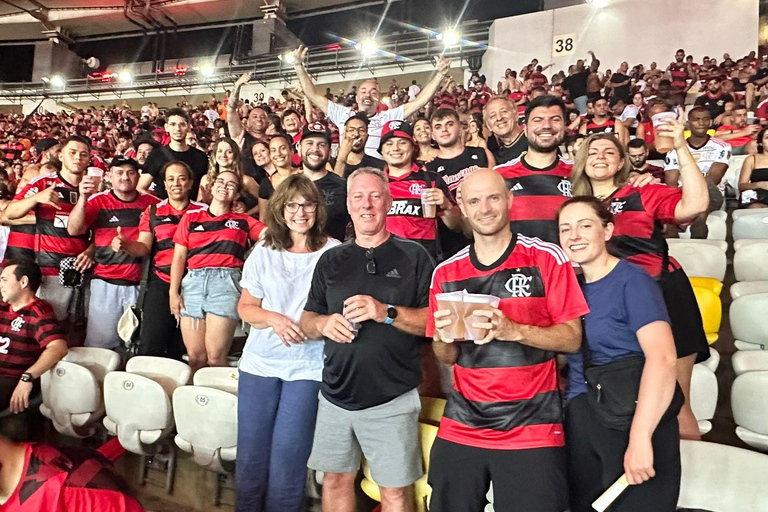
pixel 26 377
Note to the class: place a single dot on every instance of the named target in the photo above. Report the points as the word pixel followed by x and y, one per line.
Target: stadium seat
pixel 747 315
pixel 707 283
pixel 747 288
pixel 206 426
pixel 700 260
pixel 716 226
pixel 714 360
pixel 711 312
pixel 431 410
pixel 744 361
pixel 72 390
pixel 749 262
pixel 738 244
pixel 722 478
pixel 720 244
pixel 422 490
pixel 749 400
pixel 751 226
pixel 703 396
pixel 741 212
pixel 223 378
pixel 138 401
pixel 731 176
pixel 720 214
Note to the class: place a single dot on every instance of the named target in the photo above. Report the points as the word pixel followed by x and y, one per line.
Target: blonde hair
pixel 581 185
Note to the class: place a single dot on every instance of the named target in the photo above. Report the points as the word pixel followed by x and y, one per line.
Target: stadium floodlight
pixel 449 38
pixel 125 77
pixel 288 58
pixel 367 47
pixel 599 4
pixel 57 81
pixel 207 70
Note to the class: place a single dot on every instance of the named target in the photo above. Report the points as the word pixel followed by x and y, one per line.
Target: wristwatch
pixel 391 314
pixel 26 377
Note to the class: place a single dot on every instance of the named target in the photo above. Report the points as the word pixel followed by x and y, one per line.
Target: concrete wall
pixel 54 59
pixel 638 31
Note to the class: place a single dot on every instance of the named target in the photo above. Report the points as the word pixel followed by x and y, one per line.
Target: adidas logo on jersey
pixel 393 273
pixel 516 187
pixel 165 219
pixel 199 228
pixel 114 219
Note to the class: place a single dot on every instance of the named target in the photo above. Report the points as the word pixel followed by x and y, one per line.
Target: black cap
pixel 399 129
pixel 316 130
pixel 45 144
pixel 124 160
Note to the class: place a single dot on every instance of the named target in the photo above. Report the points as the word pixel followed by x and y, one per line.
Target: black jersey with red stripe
pixel 609 126
pixel 538 193
pixel 22 241
pixel 104 213
pixel 216 240
pixel 163 227
pixel 506 395
pixel 405 218
pixel 54 243
pixel 24 334
pixel 640 214
pixel 679 77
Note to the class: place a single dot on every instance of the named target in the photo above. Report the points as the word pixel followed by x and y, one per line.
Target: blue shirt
pixel 620 303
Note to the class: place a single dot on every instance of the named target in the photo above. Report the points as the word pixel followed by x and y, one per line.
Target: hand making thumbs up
pixel 118 243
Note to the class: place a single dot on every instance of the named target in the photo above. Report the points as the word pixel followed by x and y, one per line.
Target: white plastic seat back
pixel 716 226
pixel 750 263
pixel 138 410
pixel 720 244
pixel 167 372
pixel 743 212
pixel 747 288
pixel 748 318
pixel 703 395
pixel 744 361
pixel 751 226
pixel 72 398
pixel 749 400
pixel 700 260
pixel 722 478
pixel 206 422
pixel 223 378
pixel 99 360
pixel 731 176
pixel 738 244
pixel 714 360
pixel 720 214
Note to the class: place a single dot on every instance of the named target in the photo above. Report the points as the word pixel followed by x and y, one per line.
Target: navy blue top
pixel 620 303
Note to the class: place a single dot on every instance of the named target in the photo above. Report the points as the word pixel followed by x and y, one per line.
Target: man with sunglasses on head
pixel 368 300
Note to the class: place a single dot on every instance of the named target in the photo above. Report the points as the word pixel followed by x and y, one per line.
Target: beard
pixel 314 167
pixel 546 147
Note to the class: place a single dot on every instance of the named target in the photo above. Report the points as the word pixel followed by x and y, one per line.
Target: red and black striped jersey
pixel 679 76
pixel 609 126
pixel 506 395
pixel 405 218
pixel 639 215
pixel 216 240
pixel 538 194
pixel 163 227
pixel 24 334
pixel 22 241
pixel 104 213
pixel 54 243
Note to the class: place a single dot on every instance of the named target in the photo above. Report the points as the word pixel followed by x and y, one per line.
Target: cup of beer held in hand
pixel 96 175
pixel 429 211
pixel 453 302
pixel 664 144
pixel 477 302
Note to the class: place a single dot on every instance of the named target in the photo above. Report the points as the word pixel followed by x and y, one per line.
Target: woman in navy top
pixel 627 318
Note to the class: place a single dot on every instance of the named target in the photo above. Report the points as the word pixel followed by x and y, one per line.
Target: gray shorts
pixel 387 435
pixel 106 306
pixel 58 296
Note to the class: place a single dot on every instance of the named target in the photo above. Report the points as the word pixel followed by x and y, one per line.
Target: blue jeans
pixel 581 104
pixel 276 425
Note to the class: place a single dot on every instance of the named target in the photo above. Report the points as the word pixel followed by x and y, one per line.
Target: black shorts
pixel 737 85
pixel 684 315
pixel 523 480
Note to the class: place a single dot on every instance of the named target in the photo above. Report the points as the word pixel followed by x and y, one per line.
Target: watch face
pixel 391 312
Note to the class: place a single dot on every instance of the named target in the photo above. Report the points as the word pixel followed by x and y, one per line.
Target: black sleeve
pixel 266 189
pixel 317 301
pixel 154 163
pixel 424 269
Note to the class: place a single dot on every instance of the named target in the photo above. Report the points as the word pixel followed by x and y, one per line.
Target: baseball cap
pixel 399 129
pixel 123 160
pixel 45 144
pixel 316 130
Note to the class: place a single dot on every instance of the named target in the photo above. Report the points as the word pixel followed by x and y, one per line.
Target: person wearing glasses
pixel 368 301
pixel 210 247
pixel 281 368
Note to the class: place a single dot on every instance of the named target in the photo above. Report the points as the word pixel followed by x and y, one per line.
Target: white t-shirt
pixel 338 114
pixel 282 280
pixel 413 91
pixel 713 152
pixel 630 112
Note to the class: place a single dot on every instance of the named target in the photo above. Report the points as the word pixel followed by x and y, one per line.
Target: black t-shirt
pixel 193 157
pixel 504 154
pixel 334 190
pixel 716 106
pixel 367 161
pixel 623 91
pixel 382 362
pixel 576 84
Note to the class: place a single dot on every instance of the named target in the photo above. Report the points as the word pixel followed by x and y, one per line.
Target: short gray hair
pixel 372 171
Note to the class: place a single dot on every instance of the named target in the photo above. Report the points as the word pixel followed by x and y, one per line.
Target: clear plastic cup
pixel 454 303
pixel 428 211
pixel 664 144
pixel 477 302
pixel 97 174
pixel 356 326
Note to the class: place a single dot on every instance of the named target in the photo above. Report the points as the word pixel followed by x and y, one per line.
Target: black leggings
pixel 596 461
pixel 159 334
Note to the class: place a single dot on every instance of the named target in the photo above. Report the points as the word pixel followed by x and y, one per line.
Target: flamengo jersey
pixel 405 218
pixel 69 480
pixel 639 215
pixel 679 75
pixel 22 240
pixel 609 126
pixel 104 213
pixel 54 243
pixel 506 394
pixel 216 241
pixel 712 152
pixel 23 336
pixel 538 194
pixel 163 228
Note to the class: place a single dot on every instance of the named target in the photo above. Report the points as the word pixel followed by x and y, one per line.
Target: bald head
pixel 485 202
pixel 482 178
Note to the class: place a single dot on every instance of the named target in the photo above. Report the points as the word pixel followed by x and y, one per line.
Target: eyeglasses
pixel 230 186
pixel 294 207
pixel 371 265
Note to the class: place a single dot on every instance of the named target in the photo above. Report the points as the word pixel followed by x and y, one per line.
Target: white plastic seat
pixel 747 316
pixel 722 478
pixel 742 212
pixel 223 378
pixel 747 288
pixel 716 227
pixel 749 262
pixel 703 396
pixel 72 390
pixel 751 226
pixel 206 425
pixel 749 400
pixel 700 260
pixel 720 244
pixel 138 401
pixel 744 361
pixel 731 176
pixel 720 214
pixel 738 244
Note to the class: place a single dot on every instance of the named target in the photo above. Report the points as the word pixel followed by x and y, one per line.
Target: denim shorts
pixel 211 290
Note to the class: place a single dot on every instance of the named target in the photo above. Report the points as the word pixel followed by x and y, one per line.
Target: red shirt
pixel 506 395
pixel 163 228
pixel 679 75
pixel 21 243
pixel 24 334
pixel 737 142
pixel 216 241
pixel 608 126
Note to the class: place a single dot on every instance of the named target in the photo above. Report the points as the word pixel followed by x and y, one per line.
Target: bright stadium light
pixel 599 4
pixel 288 58
pixel 207 70
pixel 367 47
pixel 449 38
pixel 57 81
pixel 125 77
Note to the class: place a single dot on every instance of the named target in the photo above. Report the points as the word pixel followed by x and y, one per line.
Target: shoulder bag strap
pixel 147 261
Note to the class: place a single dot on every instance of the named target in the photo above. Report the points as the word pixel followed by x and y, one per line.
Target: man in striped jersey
pixel 502 423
